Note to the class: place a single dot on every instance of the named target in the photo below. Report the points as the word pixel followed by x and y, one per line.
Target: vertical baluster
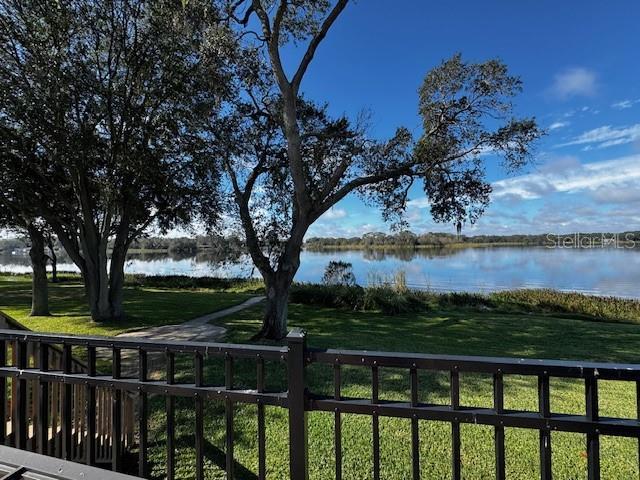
pixel 116 413
pixel 143 413
pixel 337 387
pixel 455 425
pixel 498 406
pixel 13 394
pixel 67 394
pixel 375 422
pixel 56 425
pixel 3 394
pixel 199 381
pixel 262 437
pixel 415 426
pixel 638 416
pixel 18 398
pixel 544 405
pixel 43 402
pixel 82 416
pixel 20 420
pixel 228 367
pixel 593 437
pixel 90 450
pixel 33 407
pixel 170 408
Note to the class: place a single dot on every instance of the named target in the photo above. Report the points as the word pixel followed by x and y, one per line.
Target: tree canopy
pixel 112 102
pixel 295 162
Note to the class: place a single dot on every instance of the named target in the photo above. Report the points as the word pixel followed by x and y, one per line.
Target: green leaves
pixel 467 115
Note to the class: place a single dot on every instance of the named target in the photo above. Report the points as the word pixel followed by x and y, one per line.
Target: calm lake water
pixel 601 271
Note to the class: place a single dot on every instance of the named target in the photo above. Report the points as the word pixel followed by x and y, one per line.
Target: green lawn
pixel 450 330
pixel 145 307
pixel 454 332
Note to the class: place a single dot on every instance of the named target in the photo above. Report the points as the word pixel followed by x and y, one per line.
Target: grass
pixel 397 298
pixel 145 306
pixel 443 331
pixel 454 326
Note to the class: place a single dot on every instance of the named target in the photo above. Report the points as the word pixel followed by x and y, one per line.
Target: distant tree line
pixel 228 245
pixel 407 238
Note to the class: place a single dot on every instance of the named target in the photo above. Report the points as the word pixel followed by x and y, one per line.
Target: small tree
pixel 18 213
pixel 339 273
pixel 298 162
pixel 18 219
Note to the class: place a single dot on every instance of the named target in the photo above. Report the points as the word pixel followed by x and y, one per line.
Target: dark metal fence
pixel 33 429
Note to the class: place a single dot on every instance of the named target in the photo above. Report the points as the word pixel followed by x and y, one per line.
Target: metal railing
pixel 81 420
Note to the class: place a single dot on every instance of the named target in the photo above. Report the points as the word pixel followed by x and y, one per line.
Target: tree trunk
pixel 97 288
pixel 277 285
pixel 116 279
pixel 39 286
pixel 96 279
pixel 53 258
pixel 274 323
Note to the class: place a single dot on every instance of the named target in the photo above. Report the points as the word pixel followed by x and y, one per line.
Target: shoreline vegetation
pixel 391 297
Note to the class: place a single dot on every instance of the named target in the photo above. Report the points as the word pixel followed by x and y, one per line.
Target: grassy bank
pixel 146 306
pixel 398 299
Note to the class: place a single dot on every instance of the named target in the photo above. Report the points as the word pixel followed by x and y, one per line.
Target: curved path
pixel 198 330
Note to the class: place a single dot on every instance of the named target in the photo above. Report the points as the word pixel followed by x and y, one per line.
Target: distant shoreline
pixel 312 248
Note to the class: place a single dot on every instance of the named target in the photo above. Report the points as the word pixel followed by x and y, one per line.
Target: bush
pixel 570 303
pixel 337 296
pixel 393 301
pixel 248 285
pixel 339 273
pixel 464 299
pixel 383 298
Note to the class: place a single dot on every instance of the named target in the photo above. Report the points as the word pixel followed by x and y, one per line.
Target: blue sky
pixel 580 66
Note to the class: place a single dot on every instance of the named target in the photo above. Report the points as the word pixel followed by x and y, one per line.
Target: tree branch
pixel 315 42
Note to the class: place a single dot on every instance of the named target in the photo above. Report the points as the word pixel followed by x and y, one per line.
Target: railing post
pixel 20 423
pixel 4 396
pixel 296 343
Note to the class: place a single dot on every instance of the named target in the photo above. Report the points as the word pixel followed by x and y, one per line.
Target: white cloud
pixel 606 136
pixel 574 82
pixel 320 229
pixel 557 125
pixel 419 203
pixel 623 104
pixel 334 214
pixel 621 194
pixel 616 175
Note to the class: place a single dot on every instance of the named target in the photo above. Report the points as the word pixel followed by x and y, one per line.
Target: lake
pixel 599 271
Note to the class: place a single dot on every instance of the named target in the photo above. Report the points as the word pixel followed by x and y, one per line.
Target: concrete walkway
pixel 196 330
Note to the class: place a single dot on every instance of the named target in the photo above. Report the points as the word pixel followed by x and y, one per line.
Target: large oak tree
pixel 113 97
pixel 291 162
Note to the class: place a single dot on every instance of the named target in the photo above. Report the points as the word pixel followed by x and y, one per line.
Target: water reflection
pixel 596 271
